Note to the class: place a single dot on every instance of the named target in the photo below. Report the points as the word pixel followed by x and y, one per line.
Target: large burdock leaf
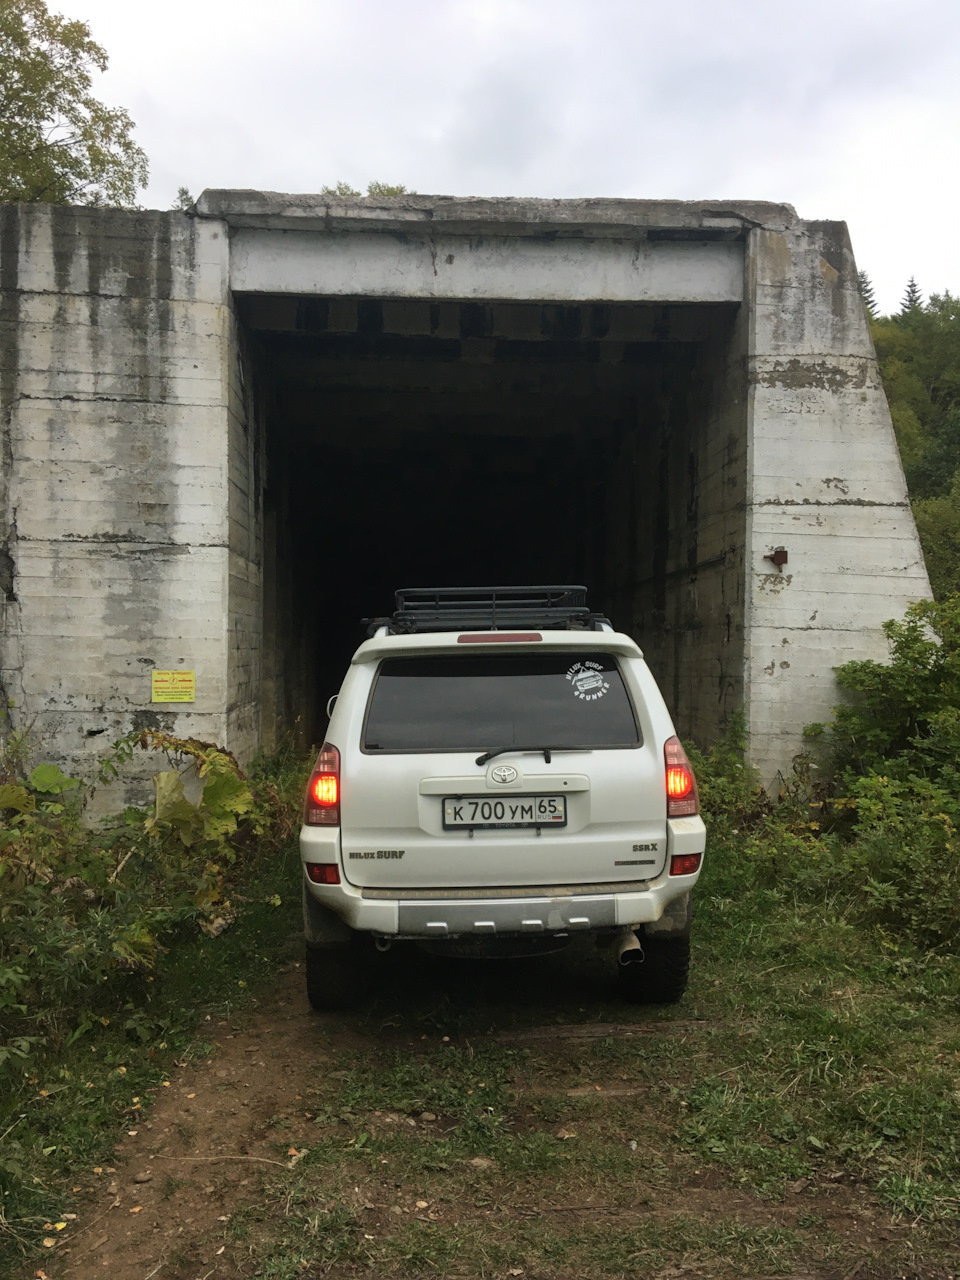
pixel 15 797
pixel 173 809
pixel 227 793
pixel 50 779
pixel 225 797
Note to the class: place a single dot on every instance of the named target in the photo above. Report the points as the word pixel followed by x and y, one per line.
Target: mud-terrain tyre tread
pixel 337 977
pixel 661 976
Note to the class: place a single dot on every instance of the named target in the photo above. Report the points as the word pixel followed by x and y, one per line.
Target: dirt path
pixel 158 1210
pixel 222 1136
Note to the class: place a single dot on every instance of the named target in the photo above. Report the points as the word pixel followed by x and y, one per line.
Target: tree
pixel 58 143
pixel 919 355
pixel 912 297
pixel 867 294
pixel 184 200
pixel 938 524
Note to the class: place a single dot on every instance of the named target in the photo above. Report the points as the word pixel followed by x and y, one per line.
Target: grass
pixel 68 1114
pixel 797 1112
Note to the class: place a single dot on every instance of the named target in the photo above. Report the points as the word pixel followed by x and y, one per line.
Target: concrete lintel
pixel 472 215
pixel 388 265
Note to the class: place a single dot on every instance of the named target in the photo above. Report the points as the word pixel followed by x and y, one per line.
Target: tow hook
pixel 383 944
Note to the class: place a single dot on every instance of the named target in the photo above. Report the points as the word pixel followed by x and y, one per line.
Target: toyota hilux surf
pixel 500 773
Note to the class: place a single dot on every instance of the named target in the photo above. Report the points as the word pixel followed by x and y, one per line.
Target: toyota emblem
pixel 504 773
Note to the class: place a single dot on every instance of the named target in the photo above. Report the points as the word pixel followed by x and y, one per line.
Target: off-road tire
pixel 661 976
pixel 338 977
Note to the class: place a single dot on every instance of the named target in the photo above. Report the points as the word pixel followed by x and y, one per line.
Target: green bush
pixel 878 830
pixel 903 717
pixel 85 912
pixel 938 524
pixel 82 907
pixel 905 856
pixel 730 790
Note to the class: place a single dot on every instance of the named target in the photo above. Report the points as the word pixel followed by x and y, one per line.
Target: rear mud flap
pixel 321 927
pixel 675 921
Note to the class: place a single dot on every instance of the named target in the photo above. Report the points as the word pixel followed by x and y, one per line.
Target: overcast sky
pixel 846 109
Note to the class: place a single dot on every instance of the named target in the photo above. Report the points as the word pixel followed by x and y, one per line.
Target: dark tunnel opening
pixel 410 443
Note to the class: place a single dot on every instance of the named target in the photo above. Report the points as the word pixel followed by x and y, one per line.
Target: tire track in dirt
pixel 158 1210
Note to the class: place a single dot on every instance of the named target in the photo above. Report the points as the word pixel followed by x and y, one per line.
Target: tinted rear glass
pixel 484 702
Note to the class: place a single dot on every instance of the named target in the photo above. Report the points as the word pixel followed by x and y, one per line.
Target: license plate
pixel 512 811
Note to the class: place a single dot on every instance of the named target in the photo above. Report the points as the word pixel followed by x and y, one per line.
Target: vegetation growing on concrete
pixel 377 189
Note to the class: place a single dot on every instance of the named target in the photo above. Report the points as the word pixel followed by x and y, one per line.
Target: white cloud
pixel 847 109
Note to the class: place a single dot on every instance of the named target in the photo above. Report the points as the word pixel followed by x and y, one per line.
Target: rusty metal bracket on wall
pixel 779 557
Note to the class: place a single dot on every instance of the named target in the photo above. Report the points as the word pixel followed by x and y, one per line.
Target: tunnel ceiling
pixel 465 368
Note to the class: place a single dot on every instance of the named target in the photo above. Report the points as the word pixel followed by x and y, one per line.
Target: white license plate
pixel 510 811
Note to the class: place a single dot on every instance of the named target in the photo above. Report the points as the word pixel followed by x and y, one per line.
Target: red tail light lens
pixel 685 864
pixel 682 798
pixel 322 806
pixel 325 790
pixel 323 872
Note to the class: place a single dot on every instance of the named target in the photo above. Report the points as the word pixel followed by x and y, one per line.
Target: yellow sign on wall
pixel 173 686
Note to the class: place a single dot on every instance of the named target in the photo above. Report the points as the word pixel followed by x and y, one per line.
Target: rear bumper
pixel 412 913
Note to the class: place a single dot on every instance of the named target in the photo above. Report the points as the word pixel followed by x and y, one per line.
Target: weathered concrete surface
pixel 824 482
pixel 478 215
pixel 394 265
pixel 116 345
pixel 185 402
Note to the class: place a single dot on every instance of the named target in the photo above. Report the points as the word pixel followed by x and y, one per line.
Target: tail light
pixel 682 798
pixel 685 864
pixel 322 805
pixel 324 872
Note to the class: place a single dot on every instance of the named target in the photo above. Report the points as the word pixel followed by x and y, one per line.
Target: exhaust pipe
pixel 629 950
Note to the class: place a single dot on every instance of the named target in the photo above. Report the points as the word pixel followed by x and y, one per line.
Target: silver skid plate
pixel 529 915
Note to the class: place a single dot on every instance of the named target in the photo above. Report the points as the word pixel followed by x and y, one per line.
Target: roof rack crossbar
pixel 422 609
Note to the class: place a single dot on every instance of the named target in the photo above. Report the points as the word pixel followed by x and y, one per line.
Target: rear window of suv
pixel 488 701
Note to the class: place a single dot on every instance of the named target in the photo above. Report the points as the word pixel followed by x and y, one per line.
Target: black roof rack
pixel 489 609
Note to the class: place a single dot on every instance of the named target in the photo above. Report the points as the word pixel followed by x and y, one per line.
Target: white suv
pixel 500 773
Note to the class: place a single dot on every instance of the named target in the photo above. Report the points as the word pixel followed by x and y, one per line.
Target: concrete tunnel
pixel 232 434
pixel 418 443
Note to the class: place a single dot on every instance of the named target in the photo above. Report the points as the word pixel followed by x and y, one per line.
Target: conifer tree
pixel 867 294
pixel 912 297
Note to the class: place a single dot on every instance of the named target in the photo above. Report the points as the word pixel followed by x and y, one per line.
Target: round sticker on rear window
pixel 588 681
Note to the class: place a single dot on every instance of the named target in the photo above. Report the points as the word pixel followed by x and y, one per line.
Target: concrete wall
pixel 243 615
pixel 677 490
pixel 145 497
pixel 824 482
pixel 116 343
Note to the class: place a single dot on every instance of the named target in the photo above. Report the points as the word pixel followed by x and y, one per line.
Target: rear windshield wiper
pixel 488 755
